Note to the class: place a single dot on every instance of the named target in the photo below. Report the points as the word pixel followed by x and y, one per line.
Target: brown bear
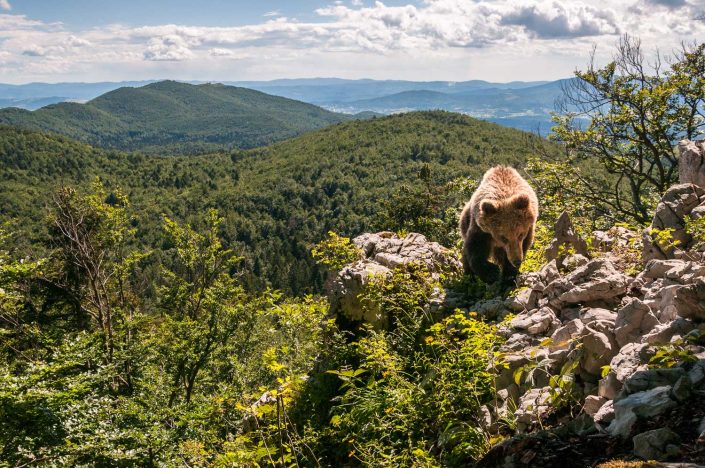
pixel 497 224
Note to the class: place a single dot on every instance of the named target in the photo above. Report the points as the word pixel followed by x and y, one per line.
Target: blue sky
pixel 219 40
pixel 83 14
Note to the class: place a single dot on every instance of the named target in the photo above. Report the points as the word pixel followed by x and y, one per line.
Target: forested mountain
pixel 172 117
pixel 276 200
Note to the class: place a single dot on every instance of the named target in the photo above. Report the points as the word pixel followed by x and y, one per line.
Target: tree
pixel 90 234
pixel 202 304
pixel 625 119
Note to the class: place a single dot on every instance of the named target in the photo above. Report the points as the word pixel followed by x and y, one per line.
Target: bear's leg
pixel 476 253
pixel 509 271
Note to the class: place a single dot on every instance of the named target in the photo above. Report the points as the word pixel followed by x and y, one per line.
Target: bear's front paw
pixel 489 273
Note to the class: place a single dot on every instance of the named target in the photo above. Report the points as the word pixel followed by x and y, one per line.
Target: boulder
pixel 391 251
pixel 634 319
pixel 641 405
pixel 651 378
pixel 538 322
pixel 657 444
pixel 382 252
pixel 689 300
pixel 533 406
pixel 631 358
pixel 563 336
pixel 680 271
pixel 597 280
pixel 593 314
pixel 598 350
pixel 691 163
pixel 343 291
pixel 616 236
pixel 676 203
pixel 666 332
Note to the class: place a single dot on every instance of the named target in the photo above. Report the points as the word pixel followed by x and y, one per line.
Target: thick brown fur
pixel 497 225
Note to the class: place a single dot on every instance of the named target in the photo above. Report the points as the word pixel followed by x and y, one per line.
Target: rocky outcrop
pixel 584 329
pixel 381 253
pixel 691 163
pixel 677 203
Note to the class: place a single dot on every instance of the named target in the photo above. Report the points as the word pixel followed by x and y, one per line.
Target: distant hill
pixel 277 200
pixel 525 105
pixel 169 116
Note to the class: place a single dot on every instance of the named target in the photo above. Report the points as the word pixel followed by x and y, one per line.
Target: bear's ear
pixel 488 207
pixel 520 202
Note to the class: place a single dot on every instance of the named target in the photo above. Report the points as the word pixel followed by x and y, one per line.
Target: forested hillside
pixel 171 117
pixel 278 200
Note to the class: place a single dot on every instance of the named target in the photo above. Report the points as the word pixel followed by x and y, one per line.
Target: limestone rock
pixel 539 322
pixel 651 378
pixel 562 337
pixel 533 405
pixel 642 405
pixel 347 284
pixel 593 403
pixel 690 300
pixel 391 251
pixel 604 416
pixel 381 252
pixel 616 236
pixel 666 332
pixel 565 238
pixel 634 319
pixel 680 271
pixel 676 203
pixel 598 350
pixel 631 358
pixel 691 163
pixel 598 280
pixel 654 444
pixel 592 314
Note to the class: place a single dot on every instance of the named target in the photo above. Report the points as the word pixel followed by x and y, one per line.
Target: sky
pixel 229 40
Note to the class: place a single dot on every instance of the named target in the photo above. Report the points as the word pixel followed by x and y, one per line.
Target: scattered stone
pixel 634 320
pixel 609 386
pixel 696 375
pixel 680 271
pixel 593 403
pixel 616 235
pixel 682 389
pixel 639 405
pixel 539 322
pixel 666 332
pixel 563 336
pixel 598 280
pixel 653 445
pixel 690 300
pixel 593 314
pixel 651 378
pixel 604 416
pixel 598 350
pixel 533 406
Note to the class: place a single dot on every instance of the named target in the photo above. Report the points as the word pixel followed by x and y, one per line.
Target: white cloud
pixel 433 39
pixel 273 13
pixel 5 5
pixel 168 48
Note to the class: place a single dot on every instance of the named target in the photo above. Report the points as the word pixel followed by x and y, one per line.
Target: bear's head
pixel 508 222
